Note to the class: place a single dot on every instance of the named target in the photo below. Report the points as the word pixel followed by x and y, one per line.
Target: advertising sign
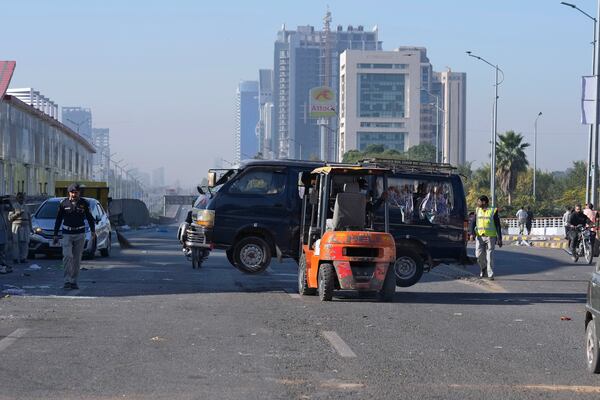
pixel 322 103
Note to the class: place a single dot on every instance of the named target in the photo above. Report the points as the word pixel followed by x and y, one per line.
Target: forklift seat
pixel 350 209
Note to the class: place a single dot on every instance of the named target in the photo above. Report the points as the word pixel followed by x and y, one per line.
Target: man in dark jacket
pixel 72 214
pixel 577 218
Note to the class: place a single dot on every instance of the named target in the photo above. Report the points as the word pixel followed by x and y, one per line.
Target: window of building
pixel 390 140
pixel 382 124
pixel 381 95
pixel 70 160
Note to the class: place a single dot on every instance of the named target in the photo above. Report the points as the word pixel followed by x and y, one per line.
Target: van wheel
pixel 303 288
pixel 229 254
pixel 388 289
pixel 326 282
pixel 592 351
pixel 408 268
pixel 252 255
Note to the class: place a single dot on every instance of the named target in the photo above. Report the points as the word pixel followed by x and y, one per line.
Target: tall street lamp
pixel 535 151
pixel 494 127
pixel 588 179
pixel 437 123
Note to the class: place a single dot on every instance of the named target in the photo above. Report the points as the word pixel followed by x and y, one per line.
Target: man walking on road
pixel 5 235
pixel 521 219
pixel 565 221
pixel 487 230
pixel 72 214
pixel 21 227
pixel 529 221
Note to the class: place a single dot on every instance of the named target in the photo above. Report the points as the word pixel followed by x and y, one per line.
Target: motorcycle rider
pixel 576 219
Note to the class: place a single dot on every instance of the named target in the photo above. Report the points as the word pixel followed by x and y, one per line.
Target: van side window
pixel 260 183
pixel 420 200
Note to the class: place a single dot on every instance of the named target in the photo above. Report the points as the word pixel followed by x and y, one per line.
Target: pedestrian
pixel 565 220
pixel 521 219
pixel 21 228
pixel 72 214
pixel 592 216
pixel 5 234
pixel 487 230
pixel 471 236
pixel 529 221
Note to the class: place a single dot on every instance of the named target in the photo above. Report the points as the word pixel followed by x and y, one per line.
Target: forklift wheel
pixel 303 288
pixel 388 290
pixel 326 282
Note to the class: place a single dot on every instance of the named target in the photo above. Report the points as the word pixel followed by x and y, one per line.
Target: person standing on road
pixel 21 227
pixel 529 221
pixel 72 214
pixel 565 220
pixel 5 235
pixel 592 216
pixel 487 231
pixel 521 219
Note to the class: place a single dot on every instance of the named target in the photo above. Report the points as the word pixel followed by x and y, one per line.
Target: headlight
pixel 206 218
pixel 36 229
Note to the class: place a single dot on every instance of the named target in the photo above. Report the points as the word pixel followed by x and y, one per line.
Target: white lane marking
pixel 10 339
pixel 338 344
pixel 57 296
pixel 295 295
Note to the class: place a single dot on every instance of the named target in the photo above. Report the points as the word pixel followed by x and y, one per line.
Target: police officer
pixel 487 231
pixel 72 213
pixel 21 227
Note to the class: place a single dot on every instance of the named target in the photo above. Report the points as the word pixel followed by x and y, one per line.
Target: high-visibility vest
pixel 485 222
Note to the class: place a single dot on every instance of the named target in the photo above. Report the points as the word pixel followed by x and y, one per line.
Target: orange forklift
pixel 340 246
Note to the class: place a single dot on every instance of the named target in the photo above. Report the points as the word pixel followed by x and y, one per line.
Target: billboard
pixel 6 71
pixel 322 102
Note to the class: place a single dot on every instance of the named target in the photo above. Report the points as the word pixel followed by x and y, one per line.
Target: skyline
pixel 167 76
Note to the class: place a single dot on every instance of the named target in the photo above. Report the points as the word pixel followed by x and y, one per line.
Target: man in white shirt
pixel 521 219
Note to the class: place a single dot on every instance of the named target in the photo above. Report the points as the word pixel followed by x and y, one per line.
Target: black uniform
pixel 72 215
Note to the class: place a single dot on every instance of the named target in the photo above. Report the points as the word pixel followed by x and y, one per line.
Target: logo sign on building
pixel 6 71
pixel 322 102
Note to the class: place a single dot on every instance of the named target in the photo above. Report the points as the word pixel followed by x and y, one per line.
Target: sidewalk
pixel 553 242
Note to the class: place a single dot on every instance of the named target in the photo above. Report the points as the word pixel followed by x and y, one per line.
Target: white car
pixel 42 230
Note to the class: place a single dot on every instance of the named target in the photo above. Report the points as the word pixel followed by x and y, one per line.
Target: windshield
pixel 224 176
pixel 48 210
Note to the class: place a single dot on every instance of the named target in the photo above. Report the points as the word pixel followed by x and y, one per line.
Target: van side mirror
pixel 212 179
pixel 199 189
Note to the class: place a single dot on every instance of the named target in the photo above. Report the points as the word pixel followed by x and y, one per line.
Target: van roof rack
pixel 425 167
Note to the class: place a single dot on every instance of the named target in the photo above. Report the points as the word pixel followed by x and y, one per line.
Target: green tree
pixel 421 152
pixel 511 159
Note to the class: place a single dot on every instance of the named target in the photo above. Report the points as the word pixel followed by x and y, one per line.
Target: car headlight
pixel 37 229
pixel 206 218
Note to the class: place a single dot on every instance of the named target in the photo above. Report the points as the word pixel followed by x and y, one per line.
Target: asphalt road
pixel 144 325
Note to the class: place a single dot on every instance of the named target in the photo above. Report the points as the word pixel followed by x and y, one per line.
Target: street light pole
pixel 535 152
pixel 588 179
pixel 494 127
pixel 437 123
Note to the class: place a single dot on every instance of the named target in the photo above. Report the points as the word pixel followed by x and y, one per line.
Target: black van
pixel 255 214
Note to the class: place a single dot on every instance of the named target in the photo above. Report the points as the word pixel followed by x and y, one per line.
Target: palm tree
pixel 511 159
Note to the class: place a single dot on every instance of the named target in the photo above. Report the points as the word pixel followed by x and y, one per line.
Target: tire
pixel 587 251
pixel 31 255
pixel 229 254
pixel 303 288
pixel 326 282
pixel 106 252
pixel 388 290
pixel 591 348
pixel 252 255
pixel 408 268
pixel 196 258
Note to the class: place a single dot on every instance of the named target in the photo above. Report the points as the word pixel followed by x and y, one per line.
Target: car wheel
pixel 106 251
pixel 326 282
pixel 388 289
pixel 408 268
pixel 229 254
pixel 303 288
pixel 592 351
pixel 252 255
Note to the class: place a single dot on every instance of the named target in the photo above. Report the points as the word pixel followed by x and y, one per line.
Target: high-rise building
pixel 264 129
pixel 101 139
pixel 304 59
pixel 454 94
pixel 380 101
pixel 79 119
pixel 245 140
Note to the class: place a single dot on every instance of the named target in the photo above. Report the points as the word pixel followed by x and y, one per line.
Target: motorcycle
pixel 584 245
pixel 192 237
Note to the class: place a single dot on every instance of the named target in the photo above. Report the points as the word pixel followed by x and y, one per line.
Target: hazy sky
pixel 162 75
